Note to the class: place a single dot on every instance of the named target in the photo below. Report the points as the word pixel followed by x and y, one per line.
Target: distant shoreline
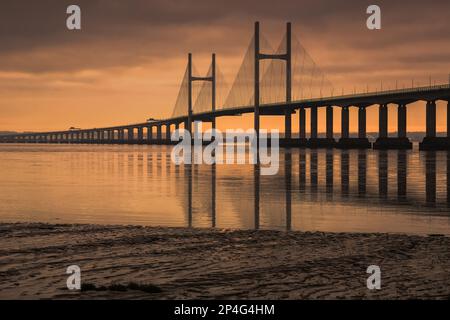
pixel 217 264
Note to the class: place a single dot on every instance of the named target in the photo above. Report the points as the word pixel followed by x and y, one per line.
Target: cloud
pixel 35 39
pixel 137 49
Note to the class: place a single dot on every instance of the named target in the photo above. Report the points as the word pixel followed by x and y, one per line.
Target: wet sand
pixel 181 263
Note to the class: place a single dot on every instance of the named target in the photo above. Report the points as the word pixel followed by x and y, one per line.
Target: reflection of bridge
pixel 305 185
pixel 394 194
pixel 280 83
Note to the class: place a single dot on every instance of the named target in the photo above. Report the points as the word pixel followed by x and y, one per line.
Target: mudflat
pixel 132 262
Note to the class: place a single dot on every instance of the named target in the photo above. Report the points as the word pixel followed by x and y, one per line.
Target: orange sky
pixel 127 62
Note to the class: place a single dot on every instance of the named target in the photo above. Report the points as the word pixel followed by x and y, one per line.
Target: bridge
pixel 279 82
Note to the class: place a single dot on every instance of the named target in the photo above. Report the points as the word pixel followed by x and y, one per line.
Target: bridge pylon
pixel 192 78
pixel 287 56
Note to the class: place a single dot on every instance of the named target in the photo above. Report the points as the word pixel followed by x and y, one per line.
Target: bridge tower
pixel 192 78
pixel 286 57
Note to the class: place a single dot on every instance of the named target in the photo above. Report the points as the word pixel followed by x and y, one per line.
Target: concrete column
pixel 383 121
pixel 431 119
pixel 401 120
pixel 345 118
pixel 287 124
pixel 313 122
pixel 329 122
pixel 302 123
pixel 140 134
pixel 130 134
pixel 362 122
pixel 149 134
pixel 168 132
pixel 158 132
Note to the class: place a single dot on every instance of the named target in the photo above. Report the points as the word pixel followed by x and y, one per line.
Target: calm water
pixel 354 191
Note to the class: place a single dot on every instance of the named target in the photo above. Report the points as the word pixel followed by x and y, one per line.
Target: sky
pixel 128 60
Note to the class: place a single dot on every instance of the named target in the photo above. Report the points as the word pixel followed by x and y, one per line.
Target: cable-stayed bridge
pixel 278 81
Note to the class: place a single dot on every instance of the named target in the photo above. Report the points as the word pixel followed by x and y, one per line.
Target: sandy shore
pixel 179 263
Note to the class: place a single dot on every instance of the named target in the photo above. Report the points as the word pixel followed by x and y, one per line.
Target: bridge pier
pixel 167 133
pixel 287 125
pixel 287 141
pixel 140 135
pixel 149 134
pixel 328 141
pixel 430 141
pixel 302 141
pixel 159 134
pixel 401 141
pixel 130 135
pixel 361 142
